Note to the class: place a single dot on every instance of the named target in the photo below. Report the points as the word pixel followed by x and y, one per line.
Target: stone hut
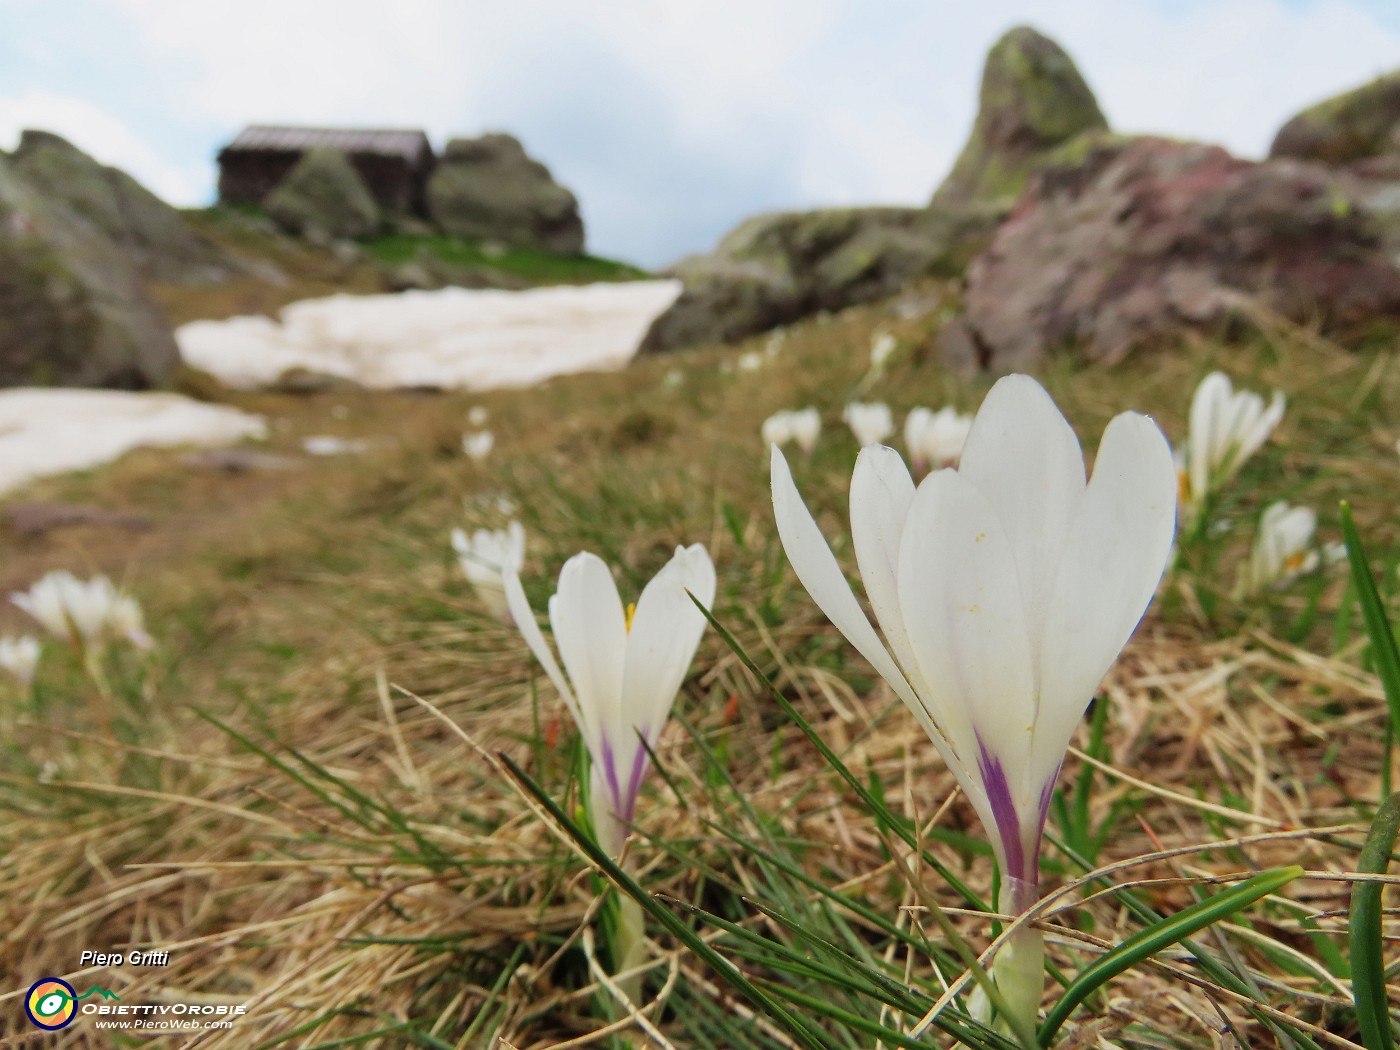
pixel 394 164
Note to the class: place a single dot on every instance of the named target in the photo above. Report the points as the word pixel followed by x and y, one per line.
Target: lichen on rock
pixel 1033 99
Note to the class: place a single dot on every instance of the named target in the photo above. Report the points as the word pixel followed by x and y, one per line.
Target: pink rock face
pixel 1148 236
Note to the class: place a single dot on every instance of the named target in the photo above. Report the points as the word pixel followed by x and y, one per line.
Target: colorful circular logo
pixel 51 1004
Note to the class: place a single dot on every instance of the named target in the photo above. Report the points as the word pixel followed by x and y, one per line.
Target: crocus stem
pixel 629 944
pixel 1019 968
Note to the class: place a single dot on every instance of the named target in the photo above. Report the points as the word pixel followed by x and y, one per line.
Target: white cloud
pixel 103 136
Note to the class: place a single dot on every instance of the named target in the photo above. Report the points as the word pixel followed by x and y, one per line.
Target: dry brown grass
pixel 398 883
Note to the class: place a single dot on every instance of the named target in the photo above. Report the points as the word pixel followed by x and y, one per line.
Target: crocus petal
pixel 1117 552
pixel 514 547
pixel 1280 549
pixel 1208 429
pixel 1261 426
pixel 777 429
pixel 590 629
pixel 606 811
pixel 881 491
pixel 524 618
pixel 666 630
pixel 915 424
pixel 963 607
pixel 816 567
pixel 806 427
pixel 1291 529
pixel 1022 454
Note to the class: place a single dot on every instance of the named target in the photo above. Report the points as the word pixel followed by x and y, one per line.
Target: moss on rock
pixel 1356 125
pixel 1032 100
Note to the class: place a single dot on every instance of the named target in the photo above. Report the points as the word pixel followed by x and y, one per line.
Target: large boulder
pixel 489 189
pixel 151 233
pixel 1140 237
pixel 323 198
pixel 1032 101
pixel 73 311
pixel 776 268
pixel 1349 127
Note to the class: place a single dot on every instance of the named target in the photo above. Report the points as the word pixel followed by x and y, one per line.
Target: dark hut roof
pixel 387 141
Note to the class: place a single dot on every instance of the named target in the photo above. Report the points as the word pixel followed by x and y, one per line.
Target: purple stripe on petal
pixel 634 782
pixel 609 764
pixel 1003 810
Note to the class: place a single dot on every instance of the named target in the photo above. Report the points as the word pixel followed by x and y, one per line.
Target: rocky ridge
pixel 774 269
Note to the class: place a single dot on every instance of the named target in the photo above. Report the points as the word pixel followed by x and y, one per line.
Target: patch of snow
pixel 453 338
pixel 50 431
pixel 329 445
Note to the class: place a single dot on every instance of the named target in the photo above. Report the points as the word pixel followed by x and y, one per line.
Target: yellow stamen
pixel 631 612
pixel 1294 561
pixel 1183 487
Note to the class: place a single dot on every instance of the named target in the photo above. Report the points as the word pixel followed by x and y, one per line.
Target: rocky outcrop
pixel 149 232
pixel 1358 135
pixel 776 268
pixel 1350 127
pixel 489 189
pixel 323 198
pixel 73 311
pixel 1032 101
pixel 1139 237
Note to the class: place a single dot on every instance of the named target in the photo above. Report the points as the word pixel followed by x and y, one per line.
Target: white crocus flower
pixel 777 429
pixel 803 426
pixel 19 658
pixel 1226 428
pixel 750 361
pixel 478 446
pixel 477 416
pixel 1005 589
pixel 485 556
pixel 806 428
pixel 881 350
pixel 871 422
pixel 126 621
pixel 935 439
pixel 625 668
pixel 84 612
pixel 1283 549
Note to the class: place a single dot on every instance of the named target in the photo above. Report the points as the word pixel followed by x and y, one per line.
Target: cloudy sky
pixel 671 119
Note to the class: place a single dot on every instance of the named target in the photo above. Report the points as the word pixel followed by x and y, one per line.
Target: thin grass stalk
pixel 1368 977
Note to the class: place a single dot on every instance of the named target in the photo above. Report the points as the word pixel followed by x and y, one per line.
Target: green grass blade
pixel 774 956
pixel 803 1033
pixel 1383 649
pixel 1364 934
pixel 1216 969
pixel 862 1024
pixel 1154 938
pixel 880 985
